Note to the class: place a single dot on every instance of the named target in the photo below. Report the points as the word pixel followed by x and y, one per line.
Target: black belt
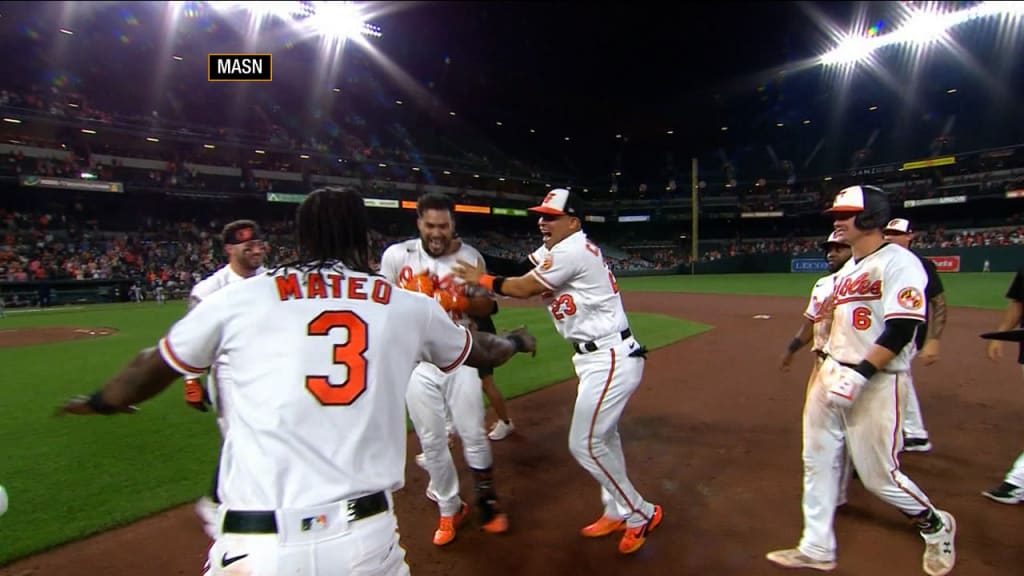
pixel 265 522
pixel 848 365
pixel 584 347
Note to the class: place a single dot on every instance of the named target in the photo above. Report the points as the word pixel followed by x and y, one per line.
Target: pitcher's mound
pixel 47 334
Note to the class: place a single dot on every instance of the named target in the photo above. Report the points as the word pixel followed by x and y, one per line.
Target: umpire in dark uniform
pixel 915 436
pixel 1011 490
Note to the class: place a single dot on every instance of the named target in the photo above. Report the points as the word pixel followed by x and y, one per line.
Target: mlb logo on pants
pixel 314 523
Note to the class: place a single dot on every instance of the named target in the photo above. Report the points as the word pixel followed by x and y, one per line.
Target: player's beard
pixel 436 247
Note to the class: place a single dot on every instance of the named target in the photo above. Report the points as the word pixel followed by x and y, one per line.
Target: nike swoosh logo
pixel 225 561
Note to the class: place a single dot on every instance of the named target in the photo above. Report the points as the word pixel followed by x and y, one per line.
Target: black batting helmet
pixel 869 203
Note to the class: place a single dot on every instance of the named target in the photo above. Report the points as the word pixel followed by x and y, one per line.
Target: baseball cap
pixel 560 202
pixel 898 226
pixel 833 238
pixel 848 200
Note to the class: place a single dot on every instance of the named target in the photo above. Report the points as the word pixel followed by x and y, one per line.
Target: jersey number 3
pixel 349 354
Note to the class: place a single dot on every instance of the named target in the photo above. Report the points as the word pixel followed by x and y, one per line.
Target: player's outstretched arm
pixel 143 378
pixel 490 351
pixel 518 287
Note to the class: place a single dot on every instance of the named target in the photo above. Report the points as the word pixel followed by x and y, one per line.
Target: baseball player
pixel 159 292
pixel 818 314
pixel 815 327
pixel 915 435
pixel 856 396
pixel 583 298
pixel 503 426
pixel 424 264
pixel 245 250
pixel 1011 491
pixel 136 293
pixel 322 350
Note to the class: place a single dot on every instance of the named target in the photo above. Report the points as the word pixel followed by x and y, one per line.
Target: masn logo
pixel 239 68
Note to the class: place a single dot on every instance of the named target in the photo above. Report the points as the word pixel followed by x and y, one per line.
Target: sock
pixel 928 522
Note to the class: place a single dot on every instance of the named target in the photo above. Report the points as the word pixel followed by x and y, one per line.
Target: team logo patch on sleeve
pixel 910 298
pixel 547 263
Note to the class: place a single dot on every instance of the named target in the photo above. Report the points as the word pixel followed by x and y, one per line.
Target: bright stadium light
pixel 850 50
pixel 920 26
pixel 341 21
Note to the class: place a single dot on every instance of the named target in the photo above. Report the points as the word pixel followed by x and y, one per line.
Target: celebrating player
pixel 583 299
pixel 424 264
pixel 245 249
pixel 321 352
pixel 915 435
pixel 878 302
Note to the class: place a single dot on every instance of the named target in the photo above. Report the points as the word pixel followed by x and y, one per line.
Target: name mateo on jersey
pixel 333 286
pixel 857 289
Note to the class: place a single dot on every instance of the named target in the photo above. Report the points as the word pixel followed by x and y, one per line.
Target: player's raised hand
pixel 468 272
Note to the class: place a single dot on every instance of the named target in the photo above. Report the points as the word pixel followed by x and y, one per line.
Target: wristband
pixel 98 406
pixel 487 281
pixel 492 283
pixel 516 339
pixel 794 345
pixel 865 369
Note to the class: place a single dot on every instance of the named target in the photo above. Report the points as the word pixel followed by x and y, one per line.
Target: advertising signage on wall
pixel 946 263
pixel 819 265
pixel 71 184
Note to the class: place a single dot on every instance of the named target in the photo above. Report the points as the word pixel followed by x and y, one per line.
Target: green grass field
pixel 70 477
pixel 974 290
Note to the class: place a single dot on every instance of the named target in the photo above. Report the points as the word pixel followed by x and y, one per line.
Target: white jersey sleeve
pixel 903 285
pixel 538 255
pixel 446 344
pixel 193 343
pixel 558 266
pixel 391 263
pixel 821 292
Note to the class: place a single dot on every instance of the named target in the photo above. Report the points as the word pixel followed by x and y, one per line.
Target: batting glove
pixel 195 395
pixel 845 387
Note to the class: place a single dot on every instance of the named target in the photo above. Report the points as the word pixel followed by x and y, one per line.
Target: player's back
pixel 320 361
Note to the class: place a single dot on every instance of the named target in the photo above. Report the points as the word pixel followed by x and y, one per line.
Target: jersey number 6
pixel 349 354
pixel 862 318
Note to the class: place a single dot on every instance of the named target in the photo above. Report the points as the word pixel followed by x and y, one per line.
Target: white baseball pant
pixel 1016 474
pixel 872 428
pixel 608 378
pixel 430 390
pixel 913 421
pixel 328 546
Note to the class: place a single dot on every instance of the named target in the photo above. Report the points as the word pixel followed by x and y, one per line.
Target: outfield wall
pixel 950 260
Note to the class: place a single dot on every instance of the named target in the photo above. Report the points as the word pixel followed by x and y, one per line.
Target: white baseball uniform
pixel 586 308
pixel 220 369
pixel 432 392
pixel 316 439
pixel 822 324
pixel 888 283
pixel 819 312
